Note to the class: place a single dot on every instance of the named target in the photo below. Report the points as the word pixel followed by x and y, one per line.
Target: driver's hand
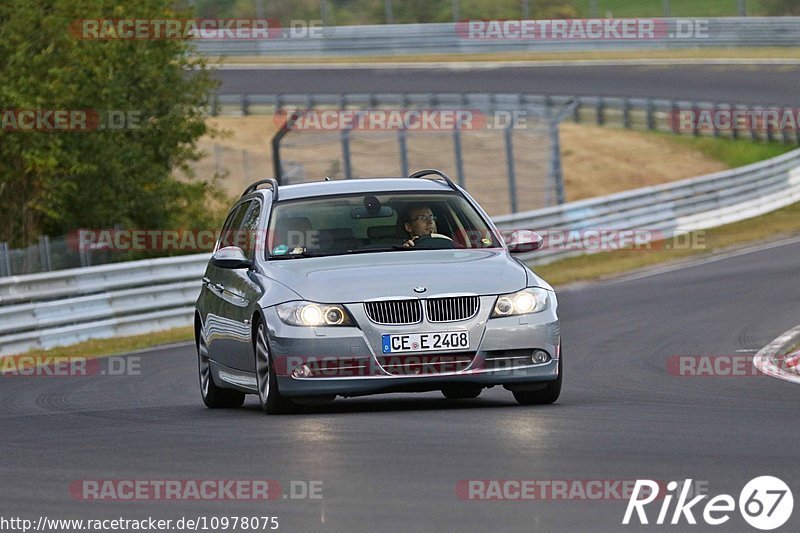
pixel 410 242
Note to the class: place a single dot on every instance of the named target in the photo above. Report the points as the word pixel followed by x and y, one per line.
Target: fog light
pixel 539 356
pixel 301 372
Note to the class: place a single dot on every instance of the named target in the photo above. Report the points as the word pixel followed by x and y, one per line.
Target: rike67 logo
pixel 765 503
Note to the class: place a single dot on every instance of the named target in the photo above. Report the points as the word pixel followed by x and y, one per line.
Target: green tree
pixel 57 181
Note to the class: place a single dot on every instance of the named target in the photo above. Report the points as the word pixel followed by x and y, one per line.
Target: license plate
pixel 426 342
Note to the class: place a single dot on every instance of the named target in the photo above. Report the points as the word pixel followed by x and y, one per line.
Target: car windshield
pixel 369 223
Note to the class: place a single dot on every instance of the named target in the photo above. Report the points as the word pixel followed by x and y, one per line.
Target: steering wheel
pixel 434 241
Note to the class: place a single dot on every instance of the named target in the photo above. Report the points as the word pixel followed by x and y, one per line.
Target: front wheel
pixel 270 398
pixel 547 395
pixel 214 397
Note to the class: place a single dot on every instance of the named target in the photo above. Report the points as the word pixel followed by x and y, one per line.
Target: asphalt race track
pixel 393 462
pixel 734 84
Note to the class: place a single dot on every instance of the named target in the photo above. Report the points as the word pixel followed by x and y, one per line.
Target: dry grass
pixel 100 347
pixel 595 161
pixel 598 162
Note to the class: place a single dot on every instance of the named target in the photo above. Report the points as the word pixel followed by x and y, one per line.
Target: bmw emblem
pixel 420 289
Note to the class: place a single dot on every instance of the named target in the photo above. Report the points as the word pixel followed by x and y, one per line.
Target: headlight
pixel 311 314
pixel 526 301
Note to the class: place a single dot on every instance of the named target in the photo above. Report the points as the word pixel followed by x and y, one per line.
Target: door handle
pixel 216 287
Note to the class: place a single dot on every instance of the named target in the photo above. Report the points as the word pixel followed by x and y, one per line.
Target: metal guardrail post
pixel 526 11
pixel 324 13
pixel 667 10
pixel 44 254
pixel 601 111
pixel 556 174
pixel 387 9
pixel 651 119
pixel 456 10
pixel 345 140
pixel 593 11
pixel 401 138
pixel 245 105
pixel 626 113
pixel 512 179
pixel 675 110
pixel 458 155
pixel 555 161
pixel 742 7
pixel 348 169
pixel 5 259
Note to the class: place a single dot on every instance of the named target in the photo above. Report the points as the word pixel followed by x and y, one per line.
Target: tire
pixel 547 395
pixel 464 392
pixel 213 396
pixel 271 400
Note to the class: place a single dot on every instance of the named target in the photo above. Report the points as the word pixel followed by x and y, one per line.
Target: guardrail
pixel 666 210
pixel 46 310
pixel 70 306
pixel 516 36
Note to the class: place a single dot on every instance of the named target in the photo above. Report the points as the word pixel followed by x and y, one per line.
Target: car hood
pixel 359 277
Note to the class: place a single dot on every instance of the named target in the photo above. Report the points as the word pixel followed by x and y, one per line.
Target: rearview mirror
pixel 231 257
pixel 524 240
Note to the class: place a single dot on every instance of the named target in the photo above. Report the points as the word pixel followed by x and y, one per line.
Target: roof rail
pixel 255 185
pixel 434 172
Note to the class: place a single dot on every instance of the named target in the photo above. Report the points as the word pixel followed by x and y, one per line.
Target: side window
pixel 230 231
pixel 248 229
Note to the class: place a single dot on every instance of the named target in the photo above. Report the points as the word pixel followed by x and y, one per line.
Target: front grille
pixel 425 364
pixel 394 312
pixel 452 309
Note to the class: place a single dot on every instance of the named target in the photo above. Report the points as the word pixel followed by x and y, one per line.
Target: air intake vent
pixel 394 312
pixel 452 309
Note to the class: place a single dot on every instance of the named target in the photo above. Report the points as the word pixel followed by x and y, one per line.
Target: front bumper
pixel 346 361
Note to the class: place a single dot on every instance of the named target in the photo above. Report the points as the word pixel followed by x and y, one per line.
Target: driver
pixel 420 222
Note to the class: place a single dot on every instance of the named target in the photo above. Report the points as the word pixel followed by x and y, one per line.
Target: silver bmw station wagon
pixel 365 286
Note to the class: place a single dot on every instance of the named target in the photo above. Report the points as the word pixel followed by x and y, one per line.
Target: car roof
pixel 356 186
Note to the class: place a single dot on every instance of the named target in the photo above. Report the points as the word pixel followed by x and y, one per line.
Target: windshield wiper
pixel 297 255
pixel 367 250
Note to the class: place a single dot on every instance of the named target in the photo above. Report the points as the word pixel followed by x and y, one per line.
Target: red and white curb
pixel 771 360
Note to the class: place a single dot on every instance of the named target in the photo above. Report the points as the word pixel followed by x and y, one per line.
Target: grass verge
pixel 771 226
pixel 101 347
pixel 733 152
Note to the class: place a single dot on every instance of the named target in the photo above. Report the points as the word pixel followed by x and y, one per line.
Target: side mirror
pixel 231 257
pixel 524 241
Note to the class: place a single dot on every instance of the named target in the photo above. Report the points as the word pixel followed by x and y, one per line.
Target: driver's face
pixel 421 222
